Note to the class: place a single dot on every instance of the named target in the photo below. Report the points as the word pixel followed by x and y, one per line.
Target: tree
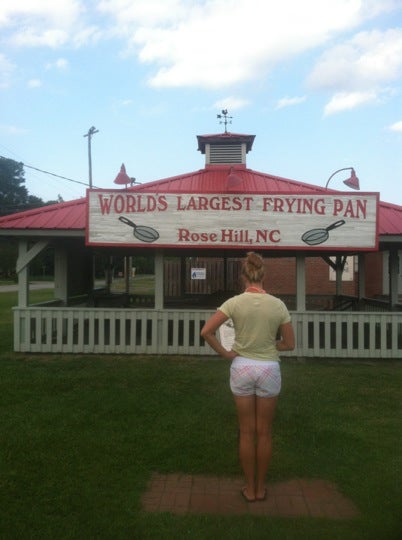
pixel 14 196
pixel 13 193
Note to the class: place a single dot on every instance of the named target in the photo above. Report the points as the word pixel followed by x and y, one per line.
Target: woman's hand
pixel 231 355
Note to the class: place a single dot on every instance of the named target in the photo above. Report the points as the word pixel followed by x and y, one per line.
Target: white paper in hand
pixel 227 334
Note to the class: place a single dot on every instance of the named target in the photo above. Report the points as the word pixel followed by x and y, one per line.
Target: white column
pixel 158 279
pixel 23 275
pixel 60 274
pixel 300 282
pixel 393 266
pixel 338 273
pixel 361 263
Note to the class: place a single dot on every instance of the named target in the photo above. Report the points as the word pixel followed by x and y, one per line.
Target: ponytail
pixel 253 268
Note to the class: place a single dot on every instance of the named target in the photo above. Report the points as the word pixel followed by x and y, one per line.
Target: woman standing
pixel 255 378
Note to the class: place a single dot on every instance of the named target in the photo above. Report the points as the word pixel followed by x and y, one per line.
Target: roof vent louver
pixel 228 153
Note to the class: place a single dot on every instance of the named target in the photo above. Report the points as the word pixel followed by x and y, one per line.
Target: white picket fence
pixel 177 332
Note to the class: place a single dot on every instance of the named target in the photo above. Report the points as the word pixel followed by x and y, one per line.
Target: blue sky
pixel 318 82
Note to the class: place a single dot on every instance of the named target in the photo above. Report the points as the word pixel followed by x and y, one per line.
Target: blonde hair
pixel 253 268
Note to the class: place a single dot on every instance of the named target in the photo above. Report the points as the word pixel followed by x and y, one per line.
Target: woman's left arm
pixel 287 341
pixel 208 332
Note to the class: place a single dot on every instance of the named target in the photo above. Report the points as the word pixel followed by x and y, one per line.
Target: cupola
pixel 225 148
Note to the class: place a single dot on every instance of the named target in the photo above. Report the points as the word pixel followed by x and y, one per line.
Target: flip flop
pixel 263 497
pixel 247 499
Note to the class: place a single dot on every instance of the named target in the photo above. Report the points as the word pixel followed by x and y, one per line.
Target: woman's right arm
pixel 287 341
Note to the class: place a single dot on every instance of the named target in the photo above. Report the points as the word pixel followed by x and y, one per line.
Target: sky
pixel 318 82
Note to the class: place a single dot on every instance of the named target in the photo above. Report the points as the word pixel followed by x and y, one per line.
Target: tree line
pixel 14 197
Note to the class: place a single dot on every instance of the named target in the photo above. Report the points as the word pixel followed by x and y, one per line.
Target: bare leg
pixel 265 411
pixel 247 427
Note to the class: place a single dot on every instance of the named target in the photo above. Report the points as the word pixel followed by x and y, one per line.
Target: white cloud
pixel 369 59
pixel 6 70
pixel 289 102
pixel 122 103
pixel 373 8
pixel 60 63
pixel 60 12
pixel 360 70
pixel 343 101
pixel 211 43
pixel 30 37
pixel 12 130
pixel 33 23
pixel 34 83
pixel 144 12
pixel 231 103
pixel 397 126
pixel 217 43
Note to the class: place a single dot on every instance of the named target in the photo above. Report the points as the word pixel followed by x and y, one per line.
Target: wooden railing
pixel 348 334
pixel 147 331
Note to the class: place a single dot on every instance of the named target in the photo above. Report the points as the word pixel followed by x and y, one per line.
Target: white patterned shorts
pixel 255 377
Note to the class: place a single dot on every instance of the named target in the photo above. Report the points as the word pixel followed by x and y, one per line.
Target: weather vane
pixel 226 119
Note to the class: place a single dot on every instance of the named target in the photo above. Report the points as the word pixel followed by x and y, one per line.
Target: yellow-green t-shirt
pixel 256 318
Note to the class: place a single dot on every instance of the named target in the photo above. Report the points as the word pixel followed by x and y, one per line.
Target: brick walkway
pixel 182 494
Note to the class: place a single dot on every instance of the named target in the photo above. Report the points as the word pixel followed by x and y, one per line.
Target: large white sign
pixel 217 220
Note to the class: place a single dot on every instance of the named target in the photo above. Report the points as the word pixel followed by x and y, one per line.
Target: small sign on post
pixel 198 273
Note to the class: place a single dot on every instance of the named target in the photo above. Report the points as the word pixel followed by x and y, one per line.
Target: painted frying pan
pixel 143 233
pixel 319 236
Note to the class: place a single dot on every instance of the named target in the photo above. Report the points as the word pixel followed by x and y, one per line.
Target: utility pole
pixel 91 132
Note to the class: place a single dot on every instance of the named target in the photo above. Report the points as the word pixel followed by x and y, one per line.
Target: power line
pixel 56 175
pixel 52 174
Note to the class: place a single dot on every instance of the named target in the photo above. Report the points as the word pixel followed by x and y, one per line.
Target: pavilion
pixel 197 226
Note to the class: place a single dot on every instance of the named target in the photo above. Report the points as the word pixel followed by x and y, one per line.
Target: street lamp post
pixel 90 133
pixel 352 181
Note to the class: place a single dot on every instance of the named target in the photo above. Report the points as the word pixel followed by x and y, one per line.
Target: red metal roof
pixel 67 216
pixel 213 179
pixel 390 218
pixel 71 216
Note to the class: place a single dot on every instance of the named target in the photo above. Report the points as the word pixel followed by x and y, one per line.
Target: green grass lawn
pixel 81 435
pixel 140 284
